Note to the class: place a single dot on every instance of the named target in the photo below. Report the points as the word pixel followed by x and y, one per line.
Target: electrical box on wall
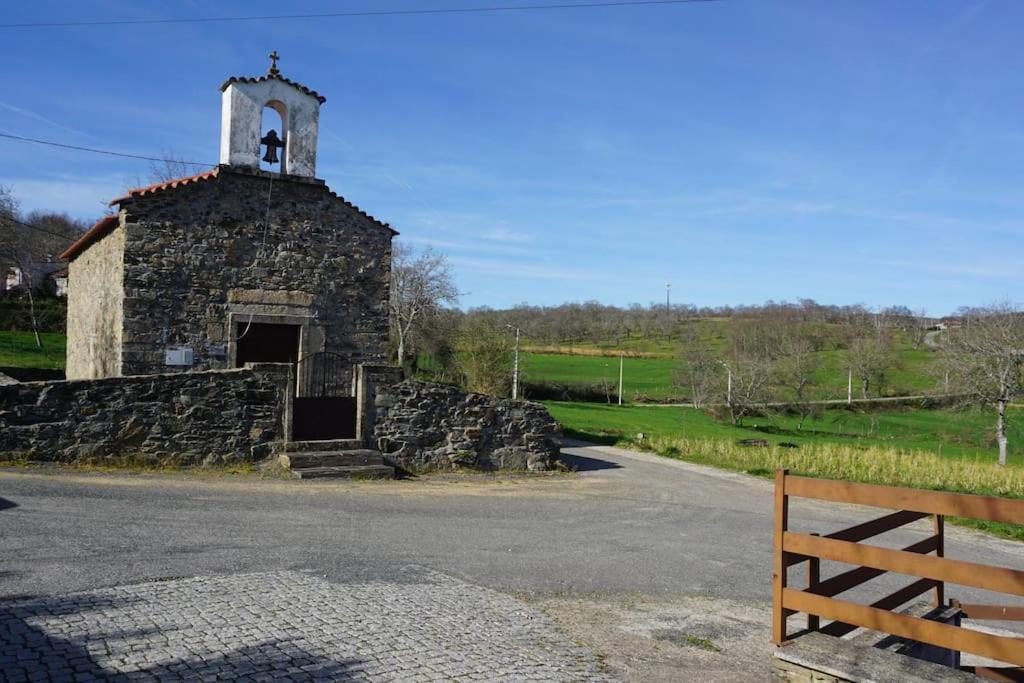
pixel 178 355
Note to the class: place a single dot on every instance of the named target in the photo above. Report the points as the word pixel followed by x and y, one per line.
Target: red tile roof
pixel 166 185
pixel 273 77
pixel 361 212
pixel 102 227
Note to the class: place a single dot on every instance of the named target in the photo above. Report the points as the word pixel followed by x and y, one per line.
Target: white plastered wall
pixel 96 309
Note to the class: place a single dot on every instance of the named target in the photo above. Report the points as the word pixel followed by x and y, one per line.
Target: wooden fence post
pixel 813 578
pixel 779 558
pixel 939 525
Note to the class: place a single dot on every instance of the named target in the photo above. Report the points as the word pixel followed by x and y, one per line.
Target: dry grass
pixel 871 464
pixel 136 463
pixel 594 351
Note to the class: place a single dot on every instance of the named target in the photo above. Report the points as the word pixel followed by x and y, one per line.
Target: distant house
pixel 60 282
pixel 48 278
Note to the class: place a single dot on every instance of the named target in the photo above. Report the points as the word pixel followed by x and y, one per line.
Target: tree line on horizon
pixel 771 353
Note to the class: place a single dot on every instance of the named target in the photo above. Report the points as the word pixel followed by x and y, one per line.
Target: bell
pixel 272 142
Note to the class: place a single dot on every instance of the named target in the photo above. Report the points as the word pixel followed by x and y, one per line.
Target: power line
pixel 361 13
pixel 23 224
pixel 101 151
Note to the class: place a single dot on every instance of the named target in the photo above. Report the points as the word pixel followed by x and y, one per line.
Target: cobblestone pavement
pixel 281 626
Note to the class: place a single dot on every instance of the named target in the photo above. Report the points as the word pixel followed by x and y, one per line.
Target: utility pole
pixel 515 365
pixel 728 394
pixel 849 388
pixel 668 299
pixel 620 378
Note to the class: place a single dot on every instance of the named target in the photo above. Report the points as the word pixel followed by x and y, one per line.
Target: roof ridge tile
pixel 273 77
pixel 166 184
pixel 101 228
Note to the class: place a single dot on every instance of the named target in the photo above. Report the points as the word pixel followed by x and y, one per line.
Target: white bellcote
pixel 243 103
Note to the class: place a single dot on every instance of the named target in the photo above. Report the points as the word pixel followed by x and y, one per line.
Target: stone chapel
pixel 234 265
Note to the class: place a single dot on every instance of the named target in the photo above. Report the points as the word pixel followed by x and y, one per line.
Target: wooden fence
pixel 931 572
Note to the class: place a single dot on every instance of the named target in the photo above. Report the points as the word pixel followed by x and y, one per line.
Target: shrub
pixel 51 315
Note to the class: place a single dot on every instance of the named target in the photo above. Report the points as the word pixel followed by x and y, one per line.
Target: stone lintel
pixel 270 297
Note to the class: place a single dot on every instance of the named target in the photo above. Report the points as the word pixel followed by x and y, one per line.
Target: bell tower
pixel 243 103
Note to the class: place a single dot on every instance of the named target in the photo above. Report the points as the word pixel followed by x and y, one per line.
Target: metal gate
pixel 324 406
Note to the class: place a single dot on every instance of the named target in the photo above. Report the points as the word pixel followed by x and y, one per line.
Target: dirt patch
pixel 681 639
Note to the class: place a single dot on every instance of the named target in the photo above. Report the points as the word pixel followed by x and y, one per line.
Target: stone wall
pixel 202 257
pixel 94 309
pixel 424 426
pixel 370 381
pixel 186 418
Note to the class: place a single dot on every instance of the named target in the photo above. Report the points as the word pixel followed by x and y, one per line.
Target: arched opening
pixel 279 125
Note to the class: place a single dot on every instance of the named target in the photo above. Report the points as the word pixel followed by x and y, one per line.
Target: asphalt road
pixel 627 523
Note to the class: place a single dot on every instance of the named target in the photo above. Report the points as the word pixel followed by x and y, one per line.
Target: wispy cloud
pixel 39 117
pixel 506 235
pixel 520 269
pixel 472 246
pixel 995 269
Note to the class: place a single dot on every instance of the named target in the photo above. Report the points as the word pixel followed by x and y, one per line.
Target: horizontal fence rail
pixel 924 560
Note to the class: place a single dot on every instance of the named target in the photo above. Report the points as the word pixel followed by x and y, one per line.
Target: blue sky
pixel 847 151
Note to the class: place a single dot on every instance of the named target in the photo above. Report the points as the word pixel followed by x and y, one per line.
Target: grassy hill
pixel 651 363
pixel 950 434
pixel 648 376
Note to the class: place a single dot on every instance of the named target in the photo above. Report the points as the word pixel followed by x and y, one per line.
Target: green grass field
pixel 18 349
pixel 963 435
pixel 654 377
pixel 653 373
pixel 648 376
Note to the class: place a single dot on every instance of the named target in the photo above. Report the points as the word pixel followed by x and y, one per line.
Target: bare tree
pixel 420 285
pixel 15 252
pixel 760 336
pixel 749 390
pixel 700 370
pixel 9 229
pixel 871 358
pixel 170 167
pixel 918 328
pixel 914 325
pixel 755 346
pixel 796 370
pixel 30 245
pixel 985 360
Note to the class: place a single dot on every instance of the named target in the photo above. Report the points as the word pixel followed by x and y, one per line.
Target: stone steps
pixel 350 472
pixel 331 445
pixel 347 458
pixel 336 458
